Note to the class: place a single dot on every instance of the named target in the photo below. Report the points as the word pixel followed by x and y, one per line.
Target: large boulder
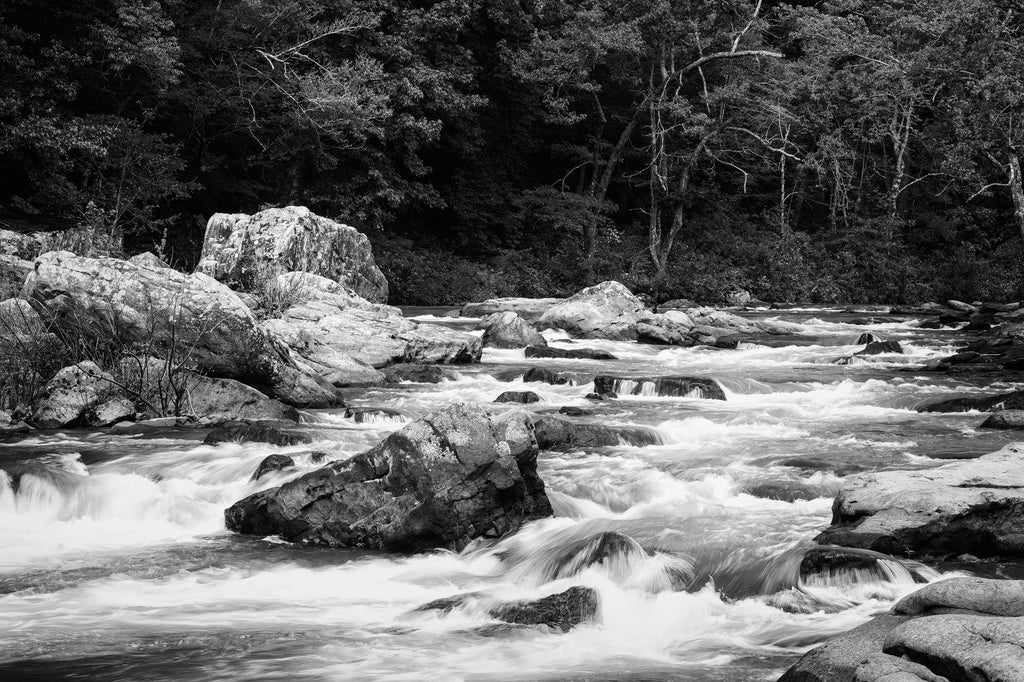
pixel 508 330
pixel 670 386
pixel 443 481
pixel 240 249
pixel 345 337
pixel 556 433
pixel 969 506
pixel 604 311
pixel 962 647
pixel 112 300
pixel 19 245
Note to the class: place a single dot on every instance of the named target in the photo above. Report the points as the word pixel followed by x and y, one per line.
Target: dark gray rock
pixel 1005 419
pixel 685 387
pixel 419 374
pixel 272 463
pixel 518 397
pixel 442 481
pixel 256 432
pixel 557 433
pixel 568 354
pixel 880 347
pixel 1004 401
pixel 561 611
pixel 838 659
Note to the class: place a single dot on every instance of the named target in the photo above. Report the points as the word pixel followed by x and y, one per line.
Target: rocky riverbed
pixel 579 489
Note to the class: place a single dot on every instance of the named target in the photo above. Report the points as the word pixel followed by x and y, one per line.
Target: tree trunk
pixel 1017 190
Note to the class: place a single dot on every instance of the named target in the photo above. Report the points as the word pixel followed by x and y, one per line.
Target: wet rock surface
pixel 443 481
pixel 683 387
pixel 508 330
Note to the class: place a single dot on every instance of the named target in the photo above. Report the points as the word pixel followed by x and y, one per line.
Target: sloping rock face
pixel 164 308
pixel 13 271
pixel 956 630
pixel 974 506
pixel 239 248
pixel 346 337
pixel 443 481
pixel 508 330
pixel 604 311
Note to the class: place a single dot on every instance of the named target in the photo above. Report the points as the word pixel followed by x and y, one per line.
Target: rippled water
pixel 115 565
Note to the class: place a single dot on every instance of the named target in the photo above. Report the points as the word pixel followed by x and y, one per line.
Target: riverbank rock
pixel 348 338
pixel 72 396
pixel 508 330
pixel 443 481
pixel 604 311
pixel 969 506
pixel 19 319
pixel 100 298
pixel 530 309
pixel 680 387
pixel 960 629
pixel 240 249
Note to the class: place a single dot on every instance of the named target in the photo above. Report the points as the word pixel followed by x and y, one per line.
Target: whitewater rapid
pixel 115 564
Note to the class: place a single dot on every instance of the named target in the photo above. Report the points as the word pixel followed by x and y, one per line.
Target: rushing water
pixel 115 565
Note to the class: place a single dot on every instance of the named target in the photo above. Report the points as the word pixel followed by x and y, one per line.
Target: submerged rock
pixel 969 506
pixel 568 353
pixel 561 611
pixel 518 397
pixel 685 387
pixel 256 432
pixel 272 463
pixel 557 433
pixel 240 248
pixel 880 347
pixel 1005 419
pixel 1004 401
pixel 508 330
pixel 443 481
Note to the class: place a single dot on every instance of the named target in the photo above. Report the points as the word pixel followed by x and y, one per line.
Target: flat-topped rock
pixel 970 506
pixel 530 309
pixel 509 330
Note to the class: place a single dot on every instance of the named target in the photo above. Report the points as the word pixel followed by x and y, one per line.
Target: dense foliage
pixel 835 151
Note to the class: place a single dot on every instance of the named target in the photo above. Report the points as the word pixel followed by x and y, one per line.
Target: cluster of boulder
pixel 279 339
pixel 609 311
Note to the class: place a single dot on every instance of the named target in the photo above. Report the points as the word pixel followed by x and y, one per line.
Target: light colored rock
pixel 964 647
pixel 508 330
pixel 148 259
pixel 738 298
pixel 838 659
pixel 443 481
pixel 22 246
pixel 974 506
pixel 346 337
pixel 885 668
pixel 530 309
pixel 604 311
pixel 71 396
pixel 239 248
pixel 112 411
pixel 10 426
pixel 961 307
pixel 982 595
pixel 166 309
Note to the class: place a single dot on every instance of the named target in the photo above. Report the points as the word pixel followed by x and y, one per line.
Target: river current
pixel 115 564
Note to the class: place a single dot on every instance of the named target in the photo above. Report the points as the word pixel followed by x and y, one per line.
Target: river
pixel 115 564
